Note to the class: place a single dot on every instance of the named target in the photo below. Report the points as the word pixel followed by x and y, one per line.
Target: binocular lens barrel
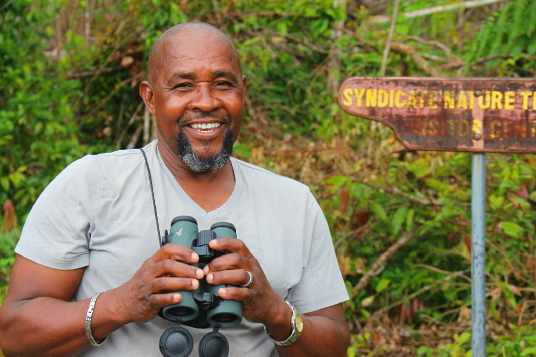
pixel 184 231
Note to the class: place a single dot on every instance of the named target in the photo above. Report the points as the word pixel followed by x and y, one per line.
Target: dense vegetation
pixel 69 72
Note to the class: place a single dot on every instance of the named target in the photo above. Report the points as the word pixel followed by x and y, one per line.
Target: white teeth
pixel 205 126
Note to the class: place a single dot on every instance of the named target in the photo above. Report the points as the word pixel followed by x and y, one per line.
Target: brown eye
pixel 183 87
pixel 223 84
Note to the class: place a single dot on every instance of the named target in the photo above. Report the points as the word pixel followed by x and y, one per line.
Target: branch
pixel 112 93
pixel 424 289
pixel 435 9
pixel 132 118
pixel 94 72
pixel 389 39
pixel 396 191
pixel 297 40
pixel 360 39
pixel 441 46
pixel 272 13
pixel 494 57
pixel 490 58
pixel 404 49
pixel 379 264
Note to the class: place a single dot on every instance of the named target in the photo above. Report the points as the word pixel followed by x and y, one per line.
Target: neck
pixel 210 190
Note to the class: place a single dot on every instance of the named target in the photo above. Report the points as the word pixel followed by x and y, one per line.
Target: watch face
pixel 299 323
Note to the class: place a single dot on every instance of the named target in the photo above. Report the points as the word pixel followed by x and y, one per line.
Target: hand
pixel 167 270
pixel 260 302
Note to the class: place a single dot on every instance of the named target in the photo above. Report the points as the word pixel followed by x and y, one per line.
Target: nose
pixel 204 99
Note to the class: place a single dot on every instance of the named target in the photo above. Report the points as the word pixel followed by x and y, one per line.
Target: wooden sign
pixel 449 114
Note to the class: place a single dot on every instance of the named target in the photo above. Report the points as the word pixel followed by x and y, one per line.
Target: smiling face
pixel 196 91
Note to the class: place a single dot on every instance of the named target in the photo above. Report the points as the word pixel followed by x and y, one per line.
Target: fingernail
pixel 213 242
pixel 195 283
pixel 199 273
pixel 194 256
pixel 206 269
pixel 210 277
pixel 222 292
pixel 176 297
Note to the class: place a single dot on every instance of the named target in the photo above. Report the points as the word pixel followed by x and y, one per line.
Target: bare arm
pixel 325 332
pixel 38 318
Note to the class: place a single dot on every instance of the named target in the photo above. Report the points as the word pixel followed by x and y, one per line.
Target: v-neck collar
pixel 212 215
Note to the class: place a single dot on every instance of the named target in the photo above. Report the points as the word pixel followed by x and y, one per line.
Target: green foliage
pixel 37 128
pixel 510 30
pixel 65 92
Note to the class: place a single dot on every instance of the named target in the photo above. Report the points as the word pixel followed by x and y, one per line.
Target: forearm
pixel 320 337
pixel 325 332
pixel 45 326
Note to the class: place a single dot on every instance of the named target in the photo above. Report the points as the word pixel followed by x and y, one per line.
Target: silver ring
pixel 251 280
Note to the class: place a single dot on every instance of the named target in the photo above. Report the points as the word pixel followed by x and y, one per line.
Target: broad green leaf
pixel 496 202
pixel 529 351
pixel 522 203
pixel 282 27
pixel 464 337
pixel 438 185
pixel 382 285
pixel 378 209
pixel 511 229
pixel 398 219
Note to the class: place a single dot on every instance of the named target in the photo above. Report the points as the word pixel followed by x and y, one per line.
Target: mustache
pixel 204 115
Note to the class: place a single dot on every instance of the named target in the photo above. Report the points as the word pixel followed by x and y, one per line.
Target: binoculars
pixel 202 307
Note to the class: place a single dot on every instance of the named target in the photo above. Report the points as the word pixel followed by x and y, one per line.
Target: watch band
pixel 89 315
pixel 297 327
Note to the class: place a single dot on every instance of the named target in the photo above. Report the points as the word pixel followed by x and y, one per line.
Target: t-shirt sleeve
pixel 59 226
pixel 321 284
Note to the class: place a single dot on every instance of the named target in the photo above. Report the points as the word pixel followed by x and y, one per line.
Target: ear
pixel 244 82
pixel 245 86
pixel 146 92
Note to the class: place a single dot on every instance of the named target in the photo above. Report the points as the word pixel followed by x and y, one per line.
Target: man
pixel 94 226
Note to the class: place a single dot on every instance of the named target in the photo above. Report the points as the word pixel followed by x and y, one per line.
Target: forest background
pixel 400 219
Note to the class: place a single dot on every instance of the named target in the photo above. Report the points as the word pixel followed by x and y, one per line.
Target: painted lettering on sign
pixel 451 114
pixel 398 98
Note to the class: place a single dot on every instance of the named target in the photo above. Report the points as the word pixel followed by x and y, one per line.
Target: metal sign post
pixel 477 115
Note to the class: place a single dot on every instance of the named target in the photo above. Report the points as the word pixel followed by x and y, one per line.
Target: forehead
pixel 199 52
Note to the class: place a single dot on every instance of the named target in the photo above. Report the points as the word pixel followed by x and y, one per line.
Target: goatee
pixel 198 164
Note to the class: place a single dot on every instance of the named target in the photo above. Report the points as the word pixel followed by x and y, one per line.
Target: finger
pixel 173 268
pixel 231 293
pixel 176 252
pixel 234 277
pixel 167 284
pixel 159 301
pixel 231 245
pixel 229 261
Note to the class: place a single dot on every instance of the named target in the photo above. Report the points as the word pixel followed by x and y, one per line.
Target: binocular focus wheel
pixel 176 342
pixel 213 344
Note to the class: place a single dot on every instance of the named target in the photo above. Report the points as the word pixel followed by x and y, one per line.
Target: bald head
pixel 186 31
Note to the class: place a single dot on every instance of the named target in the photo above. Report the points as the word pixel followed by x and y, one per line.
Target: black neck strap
pixel 152 194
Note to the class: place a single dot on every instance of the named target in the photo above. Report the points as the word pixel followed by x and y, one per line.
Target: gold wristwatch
pixel 297 328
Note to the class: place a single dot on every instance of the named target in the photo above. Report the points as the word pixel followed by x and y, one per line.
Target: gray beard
pixel 198 164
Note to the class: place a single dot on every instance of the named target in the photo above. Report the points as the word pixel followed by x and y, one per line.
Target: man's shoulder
pixel 119 160
pixel 119 155
pixel 110 166
pixel 262 176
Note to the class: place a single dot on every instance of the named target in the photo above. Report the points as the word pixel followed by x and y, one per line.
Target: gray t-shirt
pixel 98 214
